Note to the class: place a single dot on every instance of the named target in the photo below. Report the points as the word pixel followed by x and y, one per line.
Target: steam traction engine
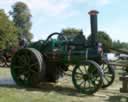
pixel 46 61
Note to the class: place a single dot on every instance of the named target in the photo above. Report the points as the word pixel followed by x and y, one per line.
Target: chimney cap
pixel 93 12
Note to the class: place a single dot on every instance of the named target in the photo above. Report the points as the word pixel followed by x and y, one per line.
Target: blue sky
pixel 50 16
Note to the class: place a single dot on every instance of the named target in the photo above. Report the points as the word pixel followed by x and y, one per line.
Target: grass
pixel 62 91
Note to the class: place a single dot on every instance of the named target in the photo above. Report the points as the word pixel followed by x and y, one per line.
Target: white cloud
pixel 103 2
pixel 53 7
pixel 49 7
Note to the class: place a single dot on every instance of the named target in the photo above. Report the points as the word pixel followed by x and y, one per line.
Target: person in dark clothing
pixel 23 43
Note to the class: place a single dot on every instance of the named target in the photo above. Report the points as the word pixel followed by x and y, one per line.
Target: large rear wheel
pixel 27 67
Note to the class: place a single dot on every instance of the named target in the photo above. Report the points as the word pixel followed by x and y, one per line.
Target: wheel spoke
pixel 106 79
pixel 18 67
pixel 78 73
pixel 28 59
pixel 80 70
pixel 109 75
pixel 20 72
pixel 93 83
pixel 86 69
pixel 33 65
pixel 90 87
pixel 97 79
pixel 28 75
pixel 81 83
pixel 84 85
pixel 33 70
pixel 20 59
pixel 78 77
pixel 105 68
pixel 89 83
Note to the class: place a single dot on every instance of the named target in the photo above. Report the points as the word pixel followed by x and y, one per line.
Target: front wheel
pixel 109 74
pixel 87 77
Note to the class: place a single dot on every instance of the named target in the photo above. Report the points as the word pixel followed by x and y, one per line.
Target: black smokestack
pixel 93 18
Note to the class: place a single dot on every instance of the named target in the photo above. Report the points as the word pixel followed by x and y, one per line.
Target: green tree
pixel 8 32
pixel 22 19
pixel 71 33
pixel 103 38
pixel 116 44
pixel 119 45
pixel 75 35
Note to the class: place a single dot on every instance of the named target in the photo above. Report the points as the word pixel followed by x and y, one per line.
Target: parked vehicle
pixel 123 56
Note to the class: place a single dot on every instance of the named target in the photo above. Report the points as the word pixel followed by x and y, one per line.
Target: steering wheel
pixel 60 37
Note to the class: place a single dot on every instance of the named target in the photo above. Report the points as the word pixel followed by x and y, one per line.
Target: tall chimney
pixel 93 18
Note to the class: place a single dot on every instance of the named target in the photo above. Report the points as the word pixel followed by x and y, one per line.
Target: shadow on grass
pixel 51 87
pixel 117 98
pixel 44 87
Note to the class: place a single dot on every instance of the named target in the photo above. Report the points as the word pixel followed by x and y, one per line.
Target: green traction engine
pixel 47 60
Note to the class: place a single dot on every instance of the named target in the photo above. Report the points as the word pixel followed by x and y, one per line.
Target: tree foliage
pixel 22 19
pixel 8 32
pixel 120 45
pixel 75 35
pixel 103 38
pixel 71 33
